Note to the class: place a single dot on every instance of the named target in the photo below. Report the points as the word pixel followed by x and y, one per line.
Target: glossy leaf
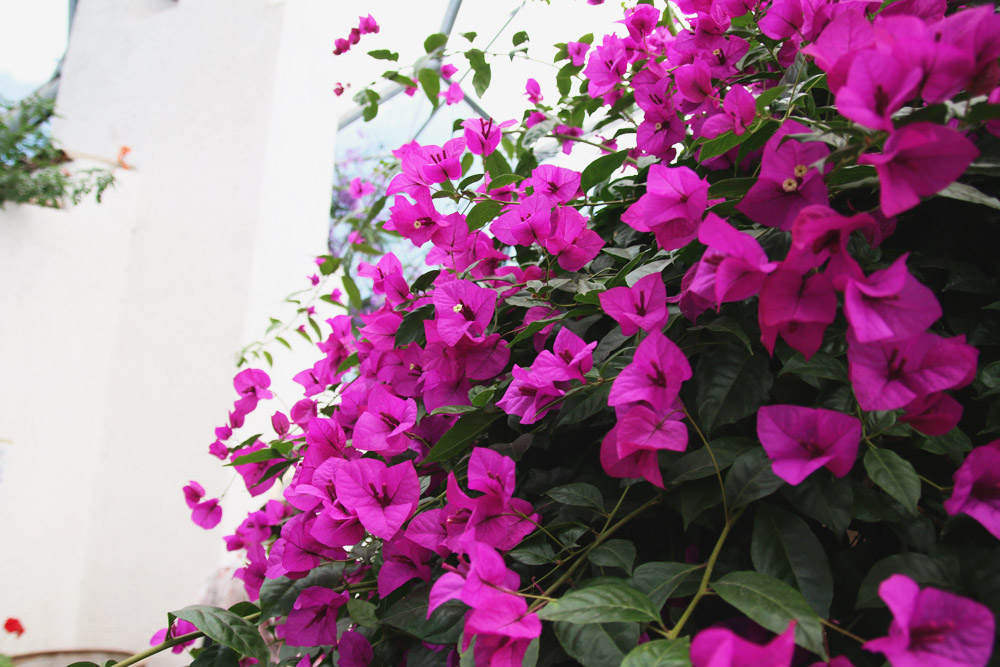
pixel 895 476
pixel 660 653
pixel 604 603
pixel 226 628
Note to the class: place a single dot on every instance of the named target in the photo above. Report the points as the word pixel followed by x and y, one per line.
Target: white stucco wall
pixel 121 320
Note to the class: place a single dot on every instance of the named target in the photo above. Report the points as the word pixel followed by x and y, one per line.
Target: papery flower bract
pixel 654 375
pixel 179 628
pixel 642 306
pixel 403 560
pixel 734 266
pixel 533 91
pixel 463 309
pixel 801 440
pixel 876 88
pixel 313 618
pixel 416 221
pixel 453 95
pixel 367 25
pixel 672 206
pixel 577 52
pixel 889 305
pixel 382 497
pixel 384 426
pixel 605 69
pixel 482 136
pixel 919 160
pixel 530 396
pixel 977 487
pixel 354 650
pixel 720 647
pixel 796 307
pixel 359 188
pixel 933 628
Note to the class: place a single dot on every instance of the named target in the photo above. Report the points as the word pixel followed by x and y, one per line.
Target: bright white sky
pixel 32 40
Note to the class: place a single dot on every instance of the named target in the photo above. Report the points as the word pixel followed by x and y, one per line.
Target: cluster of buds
pixel 366 24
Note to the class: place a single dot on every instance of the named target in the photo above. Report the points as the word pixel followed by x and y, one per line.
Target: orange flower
pixel 122 152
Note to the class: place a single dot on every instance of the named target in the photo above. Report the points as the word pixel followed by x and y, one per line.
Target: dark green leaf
pixel 278 595
pixel 783 547
pixel 750 478
pixel 731 188
pixel 773 604
pixel 699 463
pixel 496 165
pixel 584 405
pixel 820 365
pixel 362 612
pixel 460 436
pixel 431 83
pixel 982 112
pixel 768 96
pixel 506 179
pixel 410 615
pixel 454 410
pixel 352 292
pixel 608 603
pixel 601 169
pixel 384 54
pixel 471 36
pixel 482 213
pixel 256 457
pixel 758 138
pixel 924 570
pixel 481 78
pixel 719 145
pixel 824 498
pixel 578 494
pixel 895 476
pixel 963 192
pixel 520 38
pixel 412 327
pixel 661 581
pixel 435 42
pixel 217 655
pixel 228 629
pixel 534 551
pixel 614 553
pixel 732 384
pixel 660 653
pixel 597 645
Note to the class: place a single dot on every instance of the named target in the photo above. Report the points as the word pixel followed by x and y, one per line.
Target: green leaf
pixel 482 213
pixel 454 410
pixel 614 553
pixel 895 476
pixel 257 457
pixel 584 405
pixel 496 165
pixel 732 384
pixel 699 463
pixel 481 78
pixel 435 42
pixel 353 295
pixel 660 653
pixel 728 325
pixel 217 655
pixel 384 54
pixel 820 365
pixel 758 138
pixel 773 604
pixel 278 595
pixel 228 629
pixel 534 551
pixel 785 548
pixel 924 570
pixel 963 192
pixel 506 179
pixel 607 603
pixel 430 81
pixel 597 645
pixel 471 36
pixel 601 169
pixel 410 615
pixel 460 436
pixel 719 145
pixel 519 38
pixel 749 479
pixel 422 283
pixel 731 188
pixel 768 96
pixel 661 581
pixel 362 612
pixel 412 327
pixel 578 494
pixel 824 498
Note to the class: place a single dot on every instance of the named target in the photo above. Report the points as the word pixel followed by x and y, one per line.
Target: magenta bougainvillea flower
pixel 483 135
pixel 733 267
pixel 354 650
pixel 386 426
pixel 889 305
pixel 876 88
pixel 654 375
pixel 796 307
pixel 933 628
pixel 403 560
pixel 313 618
pixel 577 52
pixel 887 376
pixel 672 207
pixel 642 306
pixel 919 160
pixel 204 513
pixel 533 91
pixel 383 498
pixel 463 309
pixel 721 647
pixel 180 627
pixel 977 487
pixel 801 440
pixel 788 182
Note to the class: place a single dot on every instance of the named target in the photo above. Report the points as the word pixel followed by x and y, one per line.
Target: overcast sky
pixel 32 39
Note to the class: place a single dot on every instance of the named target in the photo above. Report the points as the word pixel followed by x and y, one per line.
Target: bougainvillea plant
pixel 726 396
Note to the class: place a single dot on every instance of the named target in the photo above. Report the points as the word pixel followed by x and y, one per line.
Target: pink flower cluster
pixel 366 25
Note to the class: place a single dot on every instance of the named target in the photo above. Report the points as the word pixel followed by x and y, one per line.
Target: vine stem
pixel 703 586
pixel 605 534
pixel 846 633
pixel 170 643
pixel 715 464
